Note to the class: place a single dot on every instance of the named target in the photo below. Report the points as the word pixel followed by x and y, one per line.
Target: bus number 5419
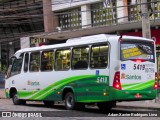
pixel 138 67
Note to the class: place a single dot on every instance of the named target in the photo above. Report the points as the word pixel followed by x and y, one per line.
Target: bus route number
pixel 138 67
pixel 101 79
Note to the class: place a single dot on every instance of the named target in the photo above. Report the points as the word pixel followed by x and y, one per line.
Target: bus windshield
pixel 137 51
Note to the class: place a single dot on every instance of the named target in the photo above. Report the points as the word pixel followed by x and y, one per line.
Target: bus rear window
pixel 137 50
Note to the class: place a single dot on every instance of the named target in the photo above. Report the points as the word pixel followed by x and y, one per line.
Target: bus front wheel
pixel 16 100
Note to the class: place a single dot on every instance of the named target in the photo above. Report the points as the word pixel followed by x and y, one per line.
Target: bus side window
pixel 80 58
pixel 34 62
pixel 99 56
pixel 62 59
pixel 47 60
pixel 26 62
pixel 16 68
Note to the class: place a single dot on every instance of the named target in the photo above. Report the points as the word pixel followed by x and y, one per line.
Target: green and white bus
pixel 99 69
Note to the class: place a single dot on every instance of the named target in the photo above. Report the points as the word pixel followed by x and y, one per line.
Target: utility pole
pixel 145 19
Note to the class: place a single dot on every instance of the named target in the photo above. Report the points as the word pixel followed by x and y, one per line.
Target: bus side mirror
pixel 12 60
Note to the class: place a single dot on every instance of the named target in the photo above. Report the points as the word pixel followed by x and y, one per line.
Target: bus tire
pixel 16 100
pixel 48 103
pixel 70 101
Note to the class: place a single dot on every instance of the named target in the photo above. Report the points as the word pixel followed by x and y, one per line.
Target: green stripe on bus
pixel 138 86
pixel 83 82
pixel 24 94
pixel 58 85
pixel 128 85
pixel 40 95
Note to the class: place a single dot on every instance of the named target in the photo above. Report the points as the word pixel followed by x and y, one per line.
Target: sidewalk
pixel 2 91
pixel 149 104
pixel 2 94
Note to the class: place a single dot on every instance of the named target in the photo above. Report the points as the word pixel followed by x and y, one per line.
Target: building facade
pixel 92 13
pixel 18 18
pixel 65 19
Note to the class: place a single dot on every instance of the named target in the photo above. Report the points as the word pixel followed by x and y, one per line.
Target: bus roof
pixel 81 41
pixel 70 42
pixel 135 37
pixel 90 38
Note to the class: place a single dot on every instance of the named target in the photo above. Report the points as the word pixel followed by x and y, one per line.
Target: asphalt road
pixel 37 111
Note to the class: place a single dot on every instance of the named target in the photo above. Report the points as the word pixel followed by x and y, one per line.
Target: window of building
pixel 134 10
pixel 62 59
pixel 80 58
pixel 99 56
pixel 103 16
pixel 154 9
pixel 47 60
pixel 34 62
pixel 71 19
pixel 26 62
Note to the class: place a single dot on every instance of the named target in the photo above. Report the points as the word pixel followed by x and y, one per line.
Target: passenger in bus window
pixel 103 62
pixel 59 64
pixel 34 66
pixel 67 66
pixel 82 64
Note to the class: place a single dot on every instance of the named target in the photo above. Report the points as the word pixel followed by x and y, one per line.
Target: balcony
pixel 103 20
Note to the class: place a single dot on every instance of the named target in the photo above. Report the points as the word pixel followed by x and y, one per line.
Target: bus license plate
pixel 138 95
